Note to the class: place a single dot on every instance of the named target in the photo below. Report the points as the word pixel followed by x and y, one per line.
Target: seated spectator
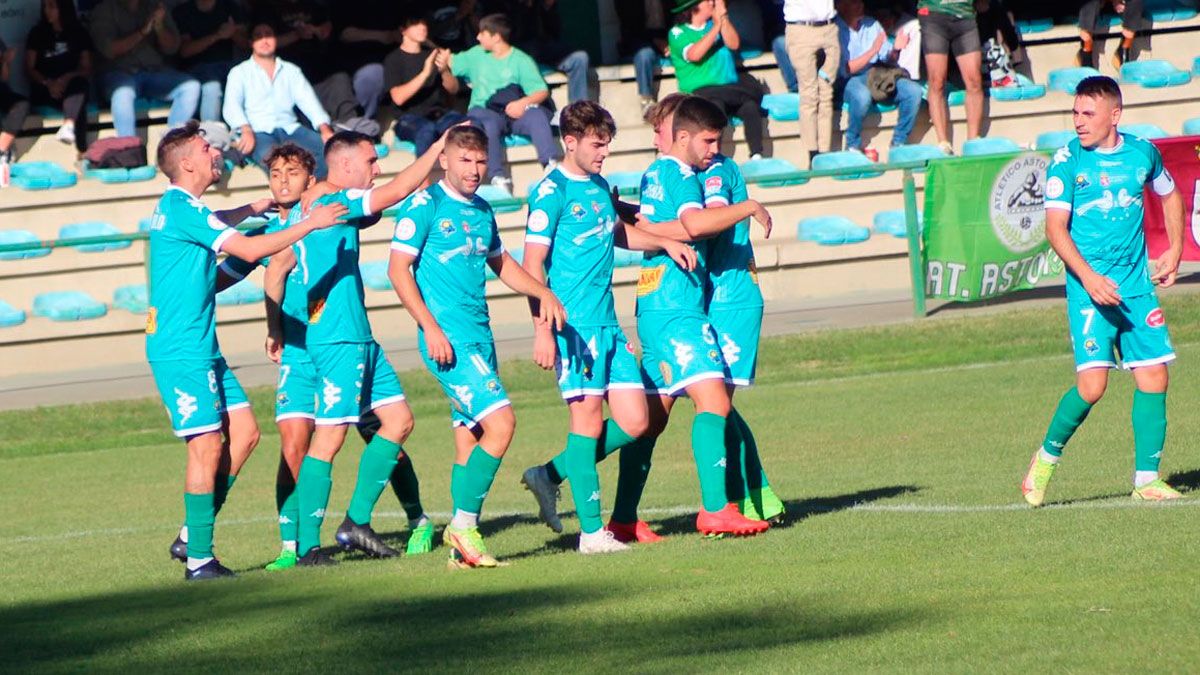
pixel 646 32
pixel 1089 21
pixel 367 35
pixel 863 46
pixel 135 37
pixel 13 107
pixel 421 86
pixel 786 71
pixel 211 38
pixel 905 33
pixel 701 46
pixel 58 63
pixel 259 99
pixel 1001 42
pixel 507 93
pixel 539 34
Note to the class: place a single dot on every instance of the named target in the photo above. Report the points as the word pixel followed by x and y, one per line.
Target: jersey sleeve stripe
pixel 230 271
pixel 497 252
pixel 1061 206
pixel 687 207
pixel 405 248
pixel 537 239
pixel 222 238
pixel 716 200
pixel 366 202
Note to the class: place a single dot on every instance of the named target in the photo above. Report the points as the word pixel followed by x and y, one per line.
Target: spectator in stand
pixel 367 35
pixel 507 95
pixel 864 45
pixel 1089 17
pixel 702 44
pixel 1001 42
pixel 135 37
pixel 538 32
pixel 211 37
pixel 948 27
pixel 812 40
pixel 58 63
pixel 13 107
pixel 421 86
pixel 905 33
pixel 784 61
pixel 260 96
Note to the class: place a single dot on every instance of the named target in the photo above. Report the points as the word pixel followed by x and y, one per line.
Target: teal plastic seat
pixel 770 172
pixel 831 231
pixel 374 275
pixel 1053 140
pixel 133 298
pixel 735 121
pixel 1192 127
pixel 880 107
pixel 10 316
pixel 845 159
pixel 494 195
pixel 241 293
pixel 21 237
pixel 404 146
pixel 1024 90
pixel 68 306
pixel 1031 26
pixel 995 145
pixel 626 182
pixel 1154 73
pixel 625 258
pixel 782 107
pixel 517 141
pixel 382 150
pixel 93 228
pixel 1066 79
pixel 1196 66
pixel 41 176
pixel 749 53
pixel 915 153
pixel 1149 132
pixel 118 175
pixel 893 223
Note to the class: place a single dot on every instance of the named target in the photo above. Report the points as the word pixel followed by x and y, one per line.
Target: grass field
pixel 899 451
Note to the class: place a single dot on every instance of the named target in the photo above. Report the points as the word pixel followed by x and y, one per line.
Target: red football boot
pixel 728 521
pixel 629 533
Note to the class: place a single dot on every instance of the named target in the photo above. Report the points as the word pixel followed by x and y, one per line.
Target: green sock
pixel 736 488
pixel 1072 410
pixel 473 481
pixel 221 491
pixel 708 448
pixel 374 472
pixel 407 487
pixel 755 476
pixel 612 438
pixel 287 502
pixel 1149 429
pixel 585 482
pixel 312 486
pixel 631 481
pixel 198 515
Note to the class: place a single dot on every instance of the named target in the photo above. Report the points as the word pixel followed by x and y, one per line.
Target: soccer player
pixel 569 238
pixel 352 373
pixel 444 237
pixel 201 394
pixel 1094 216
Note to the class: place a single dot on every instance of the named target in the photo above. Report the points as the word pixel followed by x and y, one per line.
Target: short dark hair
pixel 413 17
pixel 467 137
pixel 290 152
pixel 586 117
pixel 173 145
pixel 496 24
pixel 1100 86
pixel 346 139
pixel 698 114
pixel 659 112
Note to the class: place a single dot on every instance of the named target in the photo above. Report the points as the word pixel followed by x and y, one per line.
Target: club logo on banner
pixel 1017 203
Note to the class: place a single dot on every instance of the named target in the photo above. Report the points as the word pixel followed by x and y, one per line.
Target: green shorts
pixel 594 360
pixel 296 391
pixel 738 330
pixel 197 394
pixel 352 378
pixel 470 382
pixel 678 351
pixel 1133 332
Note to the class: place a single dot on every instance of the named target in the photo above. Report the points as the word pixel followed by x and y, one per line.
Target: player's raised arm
pixel 233 217
pixel 407 181
pixel 1102 289
pixel 264 245
pixel 637 239
pixel 700 223
pixel 510 272
pixel 274 285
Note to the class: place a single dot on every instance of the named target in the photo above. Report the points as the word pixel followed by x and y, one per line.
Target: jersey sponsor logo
pixel 1105 180
pixel 712 184
pixel 151 320
pixel 446 227
pixel 1016 203
pixel 1091 346
pixel 652 191
pixel 1082 182
pixel 185 405
pixel 315 309
pixel 418 200
pixel 538 221
pixel 578 212
pixel 405 228
pixel 1054 188
pixel 650 280
pixel 1155 318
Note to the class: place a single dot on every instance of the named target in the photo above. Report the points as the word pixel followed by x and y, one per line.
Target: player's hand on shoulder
pixel 312 194
pixel 683 254
pixel 262 206
pixel 326 215
pixel 545 349
pixel 1103 291
pixel 438 346
pixel 764 218
pixel 551 310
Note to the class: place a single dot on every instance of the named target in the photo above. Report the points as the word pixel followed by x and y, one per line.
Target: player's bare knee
pixel 1091 385
pixel 396 422
pixel 634 423
pixel 1151 379
pixel 205 450
pixel 499 429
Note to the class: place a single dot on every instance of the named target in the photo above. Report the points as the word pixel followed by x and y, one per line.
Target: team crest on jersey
pixel 650 280
pixel 578 211
pixel 1091 346
pixel 1155 318
pixel 282 398
pixel 466 227
pixel 493 386
pixel 714 356
pixel 151 320
pixel 1082 182
pixel 1105 181
pixel 315 309
pixel 446 227
pixel 596 208
pixel 1017 204
pixel 667 375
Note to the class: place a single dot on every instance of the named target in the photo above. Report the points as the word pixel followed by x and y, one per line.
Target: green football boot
pixel 285 561
pixel 762 504
pixel 421 539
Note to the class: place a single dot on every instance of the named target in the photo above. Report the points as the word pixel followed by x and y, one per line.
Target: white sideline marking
pixel 948 509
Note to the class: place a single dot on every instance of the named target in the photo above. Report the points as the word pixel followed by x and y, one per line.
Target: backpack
pixel 126 152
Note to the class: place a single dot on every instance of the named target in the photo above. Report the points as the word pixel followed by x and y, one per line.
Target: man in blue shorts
pixel 1094 214
pixel 445 238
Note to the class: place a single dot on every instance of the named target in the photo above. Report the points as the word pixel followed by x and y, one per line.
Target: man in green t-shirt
pixel 948 27
pixel 507 96
pixel 701 46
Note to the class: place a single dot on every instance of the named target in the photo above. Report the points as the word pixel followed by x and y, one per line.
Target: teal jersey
pixel 732 275
pixel 236 268
pixel 294 308
pixel 327 269
pixel 185 237
pixel 574 217
pixel 1102 190
pixel 668 189
pixel 451 237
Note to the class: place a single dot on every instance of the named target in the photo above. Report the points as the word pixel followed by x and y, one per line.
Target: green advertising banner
pixel 985 227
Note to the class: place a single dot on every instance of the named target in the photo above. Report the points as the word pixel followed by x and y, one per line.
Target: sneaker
pixel 66 134
pixel 315 558
pixel 755 157
pixel 286 561
pixel 354 537
pixel 363 125
pixel 1006 81
pixel 421 539
pixel 1036 479
pixel 503 183
pixel 629 533
pixel 1084 59
pixel 179 549
pixel 871 154
pixel 1156 490
pixel 946 148
pixel 1119 57
pixel 728 521
pixel 212 569
pixel 762 504
pixel 647 103
pixel 537 480
pixel 600 541
pixel 468 544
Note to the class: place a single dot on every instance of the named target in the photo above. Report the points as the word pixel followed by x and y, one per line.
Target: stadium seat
pixel 768 172
pixel 782 107
pixel 1154 73
pixel 382 150
pixel 493 195
pixel 735 121
pixel 68 306
pixel 915 153
pixel 1191 127
pixel 1066 79
pixel 1168 10
pixel 628 183
pixel 894 223
pixel 404 146
pixel 1053 140
pixel 1024 90
pixel 10 316
pixel 845 159
pixel 41 176
pixel 1031 26
pixel 21 237
pixel 749 53
pixel 1196 66
pixel 133 298
pixel 1149 132
pixel 241 293
pixel 374 275
pixel 879 108
pixel 92 228
pixel 516 141
pixel 831 231
pixel 625 258
pixel 118 175
pixel 995 145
